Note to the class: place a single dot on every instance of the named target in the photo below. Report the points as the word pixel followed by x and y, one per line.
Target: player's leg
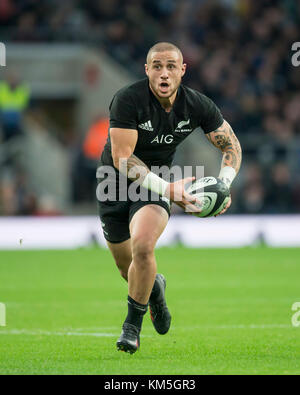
pixel 160 315
pixel 122 255
pixel 115 224
pixel 159 312
pixel 146 226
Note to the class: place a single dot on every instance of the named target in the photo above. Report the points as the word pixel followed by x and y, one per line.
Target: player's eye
pixel 171 66
pixel 157 66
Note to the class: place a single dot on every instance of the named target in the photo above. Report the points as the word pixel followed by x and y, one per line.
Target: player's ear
pixel 146 69
pixel 183 69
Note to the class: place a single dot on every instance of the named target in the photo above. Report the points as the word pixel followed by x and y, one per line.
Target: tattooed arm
pixel 225 139
pixel 123 142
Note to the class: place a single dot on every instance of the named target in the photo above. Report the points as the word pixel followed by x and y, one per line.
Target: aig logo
pixel 164 138
pixel 2 55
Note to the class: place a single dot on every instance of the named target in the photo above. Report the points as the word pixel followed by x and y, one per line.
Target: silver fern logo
pixel 182 124
pixel 2 54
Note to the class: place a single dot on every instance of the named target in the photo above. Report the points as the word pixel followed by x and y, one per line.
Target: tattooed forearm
pixel 225 139
pixel 134 168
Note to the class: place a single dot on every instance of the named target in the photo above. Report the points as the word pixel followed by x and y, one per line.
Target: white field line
pixel 231 326
pixel 243 326
pixel 77 332
pixel 49 333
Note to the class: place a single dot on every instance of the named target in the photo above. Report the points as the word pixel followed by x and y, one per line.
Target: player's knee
pixel 142 249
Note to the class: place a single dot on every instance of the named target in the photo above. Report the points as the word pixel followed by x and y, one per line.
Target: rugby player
pixel 148 120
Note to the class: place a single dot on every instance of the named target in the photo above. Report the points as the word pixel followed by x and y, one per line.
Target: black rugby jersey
pixel 159 132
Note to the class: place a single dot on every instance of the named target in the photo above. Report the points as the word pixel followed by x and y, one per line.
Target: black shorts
pixel 116 215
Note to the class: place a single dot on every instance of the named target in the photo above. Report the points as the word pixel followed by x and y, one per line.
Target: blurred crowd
pixel 238 53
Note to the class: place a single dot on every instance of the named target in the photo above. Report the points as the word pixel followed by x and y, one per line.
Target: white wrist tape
pixel 155 183
pixel 227 175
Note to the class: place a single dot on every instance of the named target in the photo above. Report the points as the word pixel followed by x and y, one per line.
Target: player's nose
pixel 164 74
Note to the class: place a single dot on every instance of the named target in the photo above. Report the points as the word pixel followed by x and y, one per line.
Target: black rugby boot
pixel 159 313
pixel 129 341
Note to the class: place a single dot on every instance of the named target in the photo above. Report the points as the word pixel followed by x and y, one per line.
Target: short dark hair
pixel 162 47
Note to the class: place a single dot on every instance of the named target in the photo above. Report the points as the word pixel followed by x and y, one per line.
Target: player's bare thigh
pixel 146 226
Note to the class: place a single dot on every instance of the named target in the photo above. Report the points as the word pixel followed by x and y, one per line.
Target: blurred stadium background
pixel 65 60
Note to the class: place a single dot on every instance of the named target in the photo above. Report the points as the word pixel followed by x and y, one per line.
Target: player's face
pixel 165 70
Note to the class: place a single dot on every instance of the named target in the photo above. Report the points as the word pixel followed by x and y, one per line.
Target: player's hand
pixel 177 193
pixel 226 207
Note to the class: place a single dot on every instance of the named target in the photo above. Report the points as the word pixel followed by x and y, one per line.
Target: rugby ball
pixel 212 192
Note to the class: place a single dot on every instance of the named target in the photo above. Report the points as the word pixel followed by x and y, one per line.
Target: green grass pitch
pixel 231 309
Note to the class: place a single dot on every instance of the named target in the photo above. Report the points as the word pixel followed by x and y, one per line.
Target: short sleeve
pixel 211 117
pixel 123 113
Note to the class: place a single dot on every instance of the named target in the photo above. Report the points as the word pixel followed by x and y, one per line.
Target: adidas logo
pixel 146 126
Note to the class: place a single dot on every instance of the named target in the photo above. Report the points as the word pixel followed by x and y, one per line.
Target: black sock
pixel 155 293
pixel 136 312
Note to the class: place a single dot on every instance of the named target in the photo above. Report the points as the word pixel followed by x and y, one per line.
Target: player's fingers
pixel 220 213
pixel 225 208
pixel 191 207
pixel 187 180
pixel 178 191
pixel 192 199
